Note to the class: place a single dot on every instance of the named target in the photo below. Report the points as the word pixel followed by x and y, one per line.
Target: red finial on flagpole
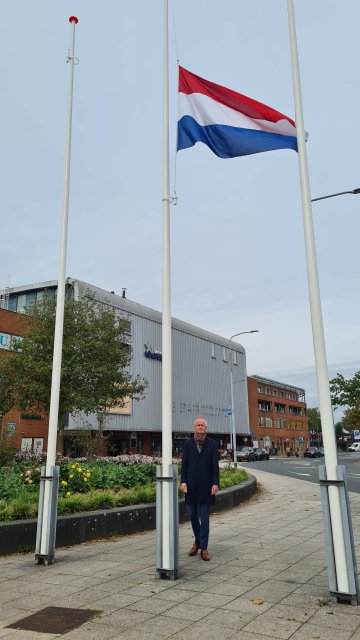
pixel 73 19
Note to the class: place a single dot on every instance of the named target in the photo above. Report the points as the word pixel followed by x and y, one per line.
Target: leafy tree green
pixel 314 421
pixel 345 393
pixel 95 360
pixel 351 419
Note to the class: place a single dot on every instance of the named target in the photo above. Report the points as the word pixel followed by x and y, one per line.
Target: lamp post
pixel 334 195
pixel 232 392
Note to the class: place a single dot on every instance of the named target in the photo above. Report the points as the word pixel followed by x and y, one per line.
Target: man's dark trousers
pixel 200 526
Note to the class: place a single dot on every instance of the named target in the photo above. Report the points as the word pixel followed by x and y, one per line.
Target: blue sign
pixel 154 355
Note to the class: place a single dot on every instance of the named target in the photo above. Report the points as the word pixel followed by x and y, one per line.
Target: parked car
pixel 312 452
pixel 246 453
pixel 355 446
pixel 322 452
pixel 261 454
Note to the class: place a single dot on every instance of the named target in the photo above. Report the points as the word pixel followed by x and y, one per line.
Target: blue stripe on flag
pixel 230 142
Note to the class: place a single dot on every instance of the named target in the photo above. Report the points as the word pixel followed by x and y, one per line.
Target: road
pixel 308 468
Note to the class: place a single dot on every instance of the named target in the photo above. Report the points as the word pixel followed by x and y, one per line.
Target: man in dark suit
pixel 200 484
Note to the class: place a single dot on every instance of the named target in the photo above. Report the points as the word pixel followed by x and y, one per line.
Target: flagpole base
pixel 353 597
pixel 45 552
pixel 171 570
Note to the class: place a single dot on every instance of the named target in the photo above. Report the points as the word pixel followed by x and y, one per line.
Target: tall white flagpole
pixel 317 324
pixel 59 320
pixel 166 309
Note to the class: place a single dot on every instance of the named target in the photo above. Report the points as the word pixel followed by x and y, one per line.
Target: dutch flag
pixel 228 122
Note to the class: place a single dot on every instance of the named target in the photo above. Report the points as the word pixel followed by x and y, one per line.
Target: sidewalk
pixel 266 579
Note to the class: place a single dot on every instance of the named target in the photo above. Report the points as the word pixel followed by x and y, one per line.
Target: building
pixel 201 375
pixel 29 429
pixel 277 415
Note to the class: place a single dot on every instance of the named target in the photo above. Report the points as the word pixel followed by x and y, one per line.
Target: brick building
pixel 277 414
pixel 30 428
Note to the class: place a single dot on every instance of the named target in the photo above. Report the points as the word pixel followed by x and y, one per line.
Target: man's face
pixel 200 426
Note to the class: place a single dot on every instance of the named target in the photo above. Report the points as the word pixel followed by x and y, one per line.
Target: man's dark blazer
pixel 200 470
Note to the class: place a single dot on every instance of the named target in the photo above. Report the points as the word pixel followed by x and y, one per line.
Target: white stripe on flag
pixel 207 111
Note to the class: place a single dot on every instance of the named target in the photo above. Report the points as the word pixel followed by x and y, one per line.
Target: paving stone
pixel 114 601
pixel 164 625
pixel 225 618
pixel 208 632
pixel 245 605
pixel 246 635
pixel 293 613
pixel 140 634
pixel 226 588
pixel 274 591
pixel 311 632
pixel 342 621
pixel 176 595
pixel 272 626
pixel 151 605
pixel 93 631
pixel 124 618
pixel 210 600
pixel 188 611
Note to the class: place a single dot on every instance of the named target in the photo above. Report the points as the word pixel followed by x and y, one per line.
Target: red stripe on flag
pixel 190 83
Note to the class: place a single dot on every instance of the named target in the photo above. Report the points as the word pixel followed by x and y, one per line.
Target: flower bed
pixel 88 485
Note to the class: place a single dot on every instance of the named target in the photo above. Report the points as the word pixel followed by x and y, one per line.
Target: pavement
pixel 266 579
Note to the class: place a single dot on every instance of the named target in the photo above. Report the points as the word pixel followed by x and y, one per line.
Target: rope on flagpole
pixel 174 198
pixel 175 38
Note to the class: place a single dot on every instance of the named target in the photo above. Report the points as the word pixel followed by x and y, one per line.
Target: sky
pixel 237 245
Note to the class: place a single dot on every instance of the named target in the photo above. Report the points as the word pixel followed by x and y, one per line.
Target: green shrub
pixel 7 449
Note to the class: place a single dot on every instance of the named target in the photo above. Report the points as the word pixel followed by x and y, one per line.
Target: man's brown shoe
pixel 205 555
pixel 194 549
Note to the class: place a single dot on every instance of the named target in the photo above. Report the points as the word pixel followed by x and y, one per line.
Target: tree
pixel 95 360
pixel 351 419
pixel 345 393
pixel 314 422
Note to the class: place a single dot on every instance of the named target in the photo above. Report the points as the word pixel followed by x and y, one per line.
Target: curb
pixel 19 536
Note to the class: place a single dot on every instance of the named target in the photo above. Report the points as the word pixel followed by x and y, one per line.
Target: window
pixel 21 303
pixel 280 423
pixel 235 357
pixel 213 351
pixel 30 298
pixel 279 408
pixel 225 359
pixel 295 411
pixel 265 422
pixel 12 302
pixel 263 405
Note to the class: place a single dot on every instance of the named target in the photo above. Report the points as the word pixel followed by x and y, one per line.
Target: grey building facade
pixel 200 375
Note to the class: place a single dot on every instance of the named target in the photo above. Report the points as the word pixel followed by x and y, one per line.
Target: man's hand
pixel 183 487
pixel 214 489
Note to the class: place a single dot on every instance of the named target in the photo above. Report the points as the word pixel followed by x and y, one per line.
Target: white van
pixel 355 446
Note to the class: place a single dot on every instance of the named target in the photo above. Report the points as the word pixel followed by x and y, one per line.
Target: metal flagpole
pixel 167 502
pixel 46 527
pixel 339 524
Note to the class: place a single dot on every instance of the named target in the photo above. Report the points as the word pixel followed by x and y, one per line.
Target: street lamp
pixel 333 195
pixel 232 392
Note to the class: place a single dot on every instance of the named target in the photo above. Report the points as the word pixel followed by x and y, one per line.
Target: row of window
pixel 225 353
pixel 264 405
pixel 267 391
pixel 19 301
pixel 280 423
